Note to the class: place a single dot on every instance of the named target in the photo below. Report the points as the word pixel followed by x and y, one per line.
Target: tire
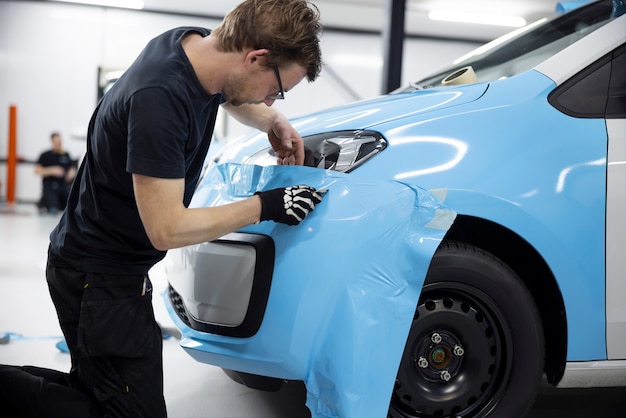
pixel 476 345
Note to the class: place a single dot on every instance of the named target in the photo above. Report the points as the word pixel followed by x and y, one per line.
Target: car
pixel 470 246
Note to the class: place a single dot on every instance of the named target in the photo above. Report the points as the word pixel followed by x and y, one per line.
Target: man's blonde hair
pixel 288 29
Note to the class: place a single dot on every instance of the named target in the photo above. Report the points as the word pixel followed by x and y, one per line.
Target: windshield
pixel 526 47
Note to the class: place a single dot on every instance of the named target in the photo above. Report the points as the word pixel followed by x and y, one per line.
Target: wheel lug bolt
pixel 458 350
pixel 436 338
pixel 422 363
pixel 445 375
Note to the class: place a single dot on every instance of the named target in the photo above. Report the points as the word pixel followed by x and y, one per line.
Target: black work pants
pixel 27 391
pixel 115 346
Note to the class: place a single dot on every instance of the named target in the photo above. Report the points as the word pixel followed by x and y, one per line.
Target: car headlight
pixel 338 151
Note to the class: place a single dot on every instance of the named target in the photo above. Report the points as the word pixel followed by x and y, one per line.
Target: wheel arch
pixel 528 264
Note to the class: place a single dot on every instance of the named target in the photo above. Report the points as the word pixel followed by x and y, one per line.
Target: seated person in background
pixel 57 170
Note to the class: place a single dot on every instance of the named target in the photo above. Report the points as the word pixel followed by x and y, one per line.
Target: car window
pixel 596 92
pixel 524 48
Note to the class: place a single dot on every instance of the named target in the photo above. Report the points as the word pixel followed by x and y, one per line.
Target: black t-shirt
pixel 157 120
pixel 51 158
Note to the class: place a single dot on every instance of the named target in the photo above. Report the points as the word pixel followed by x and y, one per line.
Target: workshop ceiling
pixel 369 15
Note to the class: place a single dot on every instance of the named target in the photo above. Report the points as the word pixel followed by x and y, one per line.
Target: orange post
pixel 12 155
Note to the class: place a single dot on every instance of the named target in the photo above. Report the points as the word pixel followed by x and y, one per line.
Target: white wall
pixel 50 54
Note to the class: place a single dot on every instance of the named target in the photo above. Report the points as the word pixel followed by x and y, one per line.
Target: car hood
pixel 365 114
pixel 369 113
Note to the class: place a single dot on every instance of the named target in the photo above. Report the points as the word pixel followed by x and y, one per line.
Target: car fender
pixel 487 175
pixel 583 298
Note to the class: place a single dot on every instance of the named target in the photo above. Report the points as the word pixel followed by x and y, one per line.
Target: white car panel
pixel 592 47
pixel 616 240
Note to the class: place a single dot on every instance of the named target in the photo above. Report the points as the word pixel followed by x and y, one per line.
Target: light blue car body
pixel 346 281
pixel 510 157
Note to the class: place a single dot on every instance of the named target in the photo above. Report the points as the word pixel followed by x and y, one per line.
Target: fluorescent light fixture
pixel 125 4
pixel 461 16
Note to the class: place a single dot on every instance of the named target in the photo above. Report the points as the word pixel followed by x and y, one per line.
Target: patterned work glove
pixel 289 205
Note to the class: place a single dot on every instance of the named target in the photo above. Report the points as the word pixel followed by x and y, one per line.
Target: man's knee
pixel 27 391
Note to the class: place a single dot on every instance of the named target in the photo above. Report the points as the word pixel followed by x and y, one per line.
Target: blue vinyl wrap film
pixel 345 286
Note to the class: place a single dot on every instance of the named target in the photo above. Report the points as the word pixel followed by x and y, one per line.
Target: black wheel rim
pixel 456 357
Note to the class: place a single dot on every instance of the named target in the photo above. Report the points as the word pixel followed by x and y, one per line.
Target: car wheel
pixel 476 347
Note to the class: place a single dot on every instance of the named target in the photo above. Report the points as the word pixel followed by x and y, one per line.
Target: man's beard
pixel 234 102
pixel 232 94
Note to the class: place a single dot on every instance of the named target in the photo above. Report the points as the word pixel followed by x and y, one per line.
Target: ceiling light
pixel 480 18
pixel 125 4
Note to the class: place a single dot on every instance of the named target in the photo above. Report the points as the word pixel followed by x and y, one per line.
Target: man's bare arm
pixel 170 225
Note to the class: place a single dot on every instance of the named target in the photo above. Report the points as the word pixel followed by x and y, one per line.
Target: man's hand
pixel 286 142
pixel 289 205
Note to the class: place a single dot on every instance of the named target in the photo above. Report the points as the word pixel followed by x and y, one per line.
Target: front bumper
pixel 340 299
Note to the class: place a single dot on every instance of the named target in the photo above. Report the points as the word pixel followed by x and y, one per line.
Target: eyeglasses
pixel 281 93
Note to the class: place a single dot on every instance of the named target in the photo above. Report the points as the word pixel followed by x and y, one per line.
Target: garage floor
pixel 191 389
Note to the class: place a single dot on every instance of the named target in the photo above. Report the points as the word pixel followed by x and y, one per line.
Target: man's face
pixel 57 144
pixel 261 83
